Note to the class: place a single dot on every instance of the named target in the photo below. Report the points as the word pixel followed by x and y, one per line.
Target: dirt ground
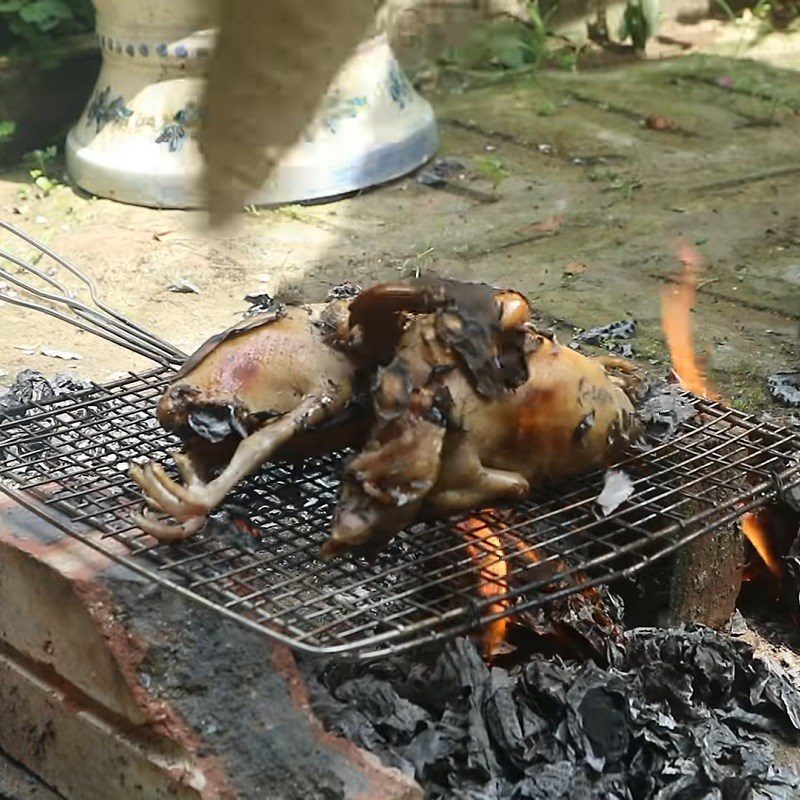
pixel 588 183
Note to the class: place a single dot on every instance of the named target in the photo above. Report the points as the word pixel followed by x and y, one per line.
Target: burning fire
pixel 759 537
pixel 486 550
pixel 677 302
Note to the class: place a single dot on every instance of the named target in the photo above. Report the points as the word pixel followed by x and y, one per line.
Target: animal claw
pixel 167 531
pixel 185 468
pixel 163 494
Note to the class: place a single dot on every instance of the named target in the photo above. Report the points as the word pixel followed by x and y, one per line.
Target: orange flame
pixel 677 302
pixel 758 536
pixel 486 550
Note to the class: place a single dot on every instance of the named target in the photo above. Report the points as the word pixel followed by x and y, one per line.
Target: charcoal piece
pixel 663 410
pixel 434 751
pixel 30 386
pixel 344 291
pixel 500 713
pixel 433 688
pixel 396 719
pixel 466 664
pixel 545 686
pixel 680 713
pixel 547 782
pixel 582 625
pixel 781 697
pixel 481 758
pixel 624 329
pixel 263 304
pixel 784 388
pixel 436 176
pixel 598 717
pixel 622 350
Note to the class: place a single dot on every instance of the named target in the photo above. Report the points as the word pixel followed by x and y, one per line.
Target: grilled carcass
pixel 454 433
pixel 280 385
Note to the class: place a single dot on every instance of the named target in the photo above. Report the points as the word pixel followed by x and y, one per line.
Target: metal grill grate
pixel 67 458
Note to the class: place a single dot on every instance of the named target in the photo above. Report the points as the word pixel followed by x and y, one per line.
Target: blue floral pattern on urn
pixel 400 89
pixel 174 133
pixel 102 110
pixel 339 108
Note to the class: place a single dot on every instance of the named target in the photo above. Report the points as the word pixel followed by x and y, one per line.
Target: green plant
pixel 7 128
pixel 640 22
pixel 40 168
pixel 36 23
pixel 507 44
pixel 492 169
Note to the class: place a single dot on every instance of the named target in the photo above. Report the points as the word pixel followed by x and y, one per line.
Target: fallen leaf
pixel 183 286
pixel 64 355
pixel 160 236
pixel 550 225
pixel 617 488
pixel 575 269
pixel 658 123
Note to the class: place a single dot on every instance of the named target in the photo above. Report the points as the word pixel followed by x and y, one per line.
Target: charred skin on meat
pixel 442 444
pixel 283 385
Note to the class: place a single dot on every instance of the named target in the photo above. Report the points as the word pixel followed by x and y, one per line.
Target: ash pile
pixel 676 714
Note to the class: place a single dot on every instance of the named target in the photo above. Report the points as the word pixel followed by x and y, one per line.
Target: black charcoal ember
pixel 681 714
pixel 784 387
pixel 344 291
pixel 622 350
pixel 663 409
pixel 500 713
pixel 263 304
pixel 30 386
pixel 437 175
pixel 598 718
pixel 396 719
pixel 433 752
pixel 624 329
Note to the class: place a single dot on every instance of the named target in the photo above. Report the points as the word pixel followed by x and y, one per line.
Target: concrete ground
pixel 16 783
pixel 581 179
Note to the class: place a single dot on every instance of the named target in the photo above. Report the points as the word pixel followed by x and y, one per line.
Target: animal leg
pixel 190 502
pixel 465 483
pixel 384 486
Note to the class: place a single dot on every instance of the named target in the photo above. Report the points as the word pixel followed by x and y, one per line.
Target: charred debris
pixel 674 714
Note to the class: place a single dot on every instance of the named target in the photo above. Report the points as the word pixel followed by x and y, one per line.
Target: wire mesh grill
pixel 67 459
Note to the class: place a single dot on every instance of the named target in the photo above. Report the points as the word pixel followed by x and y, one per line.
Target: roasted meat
pixel 284 384
pixel 454 433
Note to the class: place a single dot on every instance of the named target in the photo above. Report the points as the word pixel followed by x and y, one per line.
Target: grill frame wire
pixel 423 589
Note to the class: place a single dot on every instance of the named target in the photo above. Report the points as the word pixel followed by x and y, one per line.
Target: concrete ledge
pixel 113 687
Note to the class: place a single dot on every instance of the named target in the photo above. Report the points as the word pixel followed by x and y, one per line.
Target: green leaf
pixel 44 183
pixel 634 25
pixel 650 12
pixel 45 15
pixel 7 129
